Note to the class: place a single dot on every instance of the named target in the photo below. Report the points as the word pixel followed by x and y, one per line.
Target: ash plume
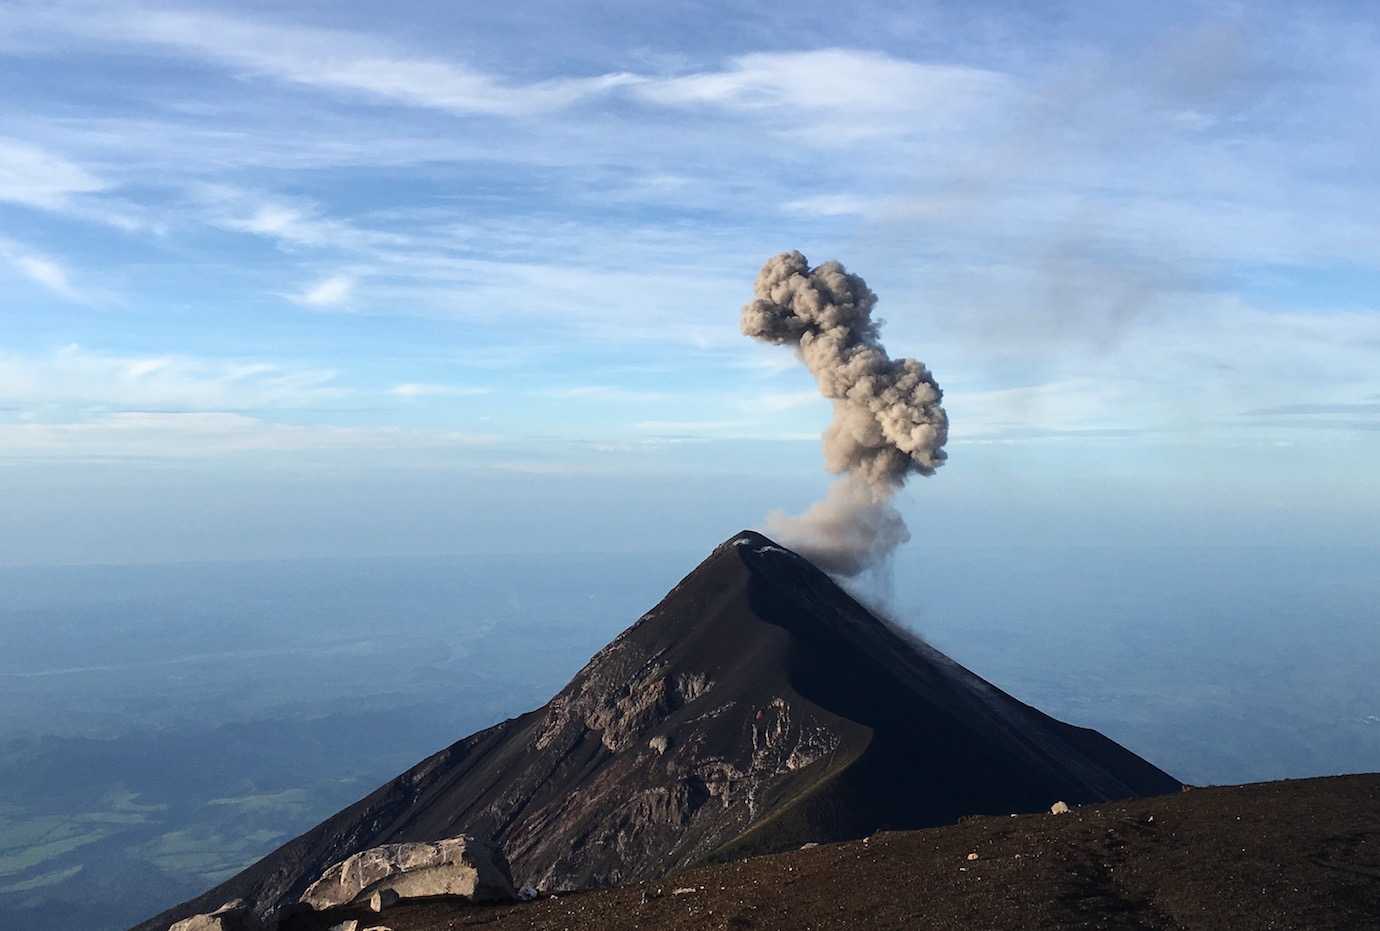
pixel 889 422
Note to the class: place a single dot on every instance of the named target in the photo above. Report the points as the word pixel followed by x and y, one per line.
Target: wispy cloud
pixel 41 269
pixel 1074 238
pixel 331 59
pixel 46 272
pixel 42 179
pixel 831 205
pixel 328 292
pixel 1355 408
pixel 424 390
pixel 158 435
pixel 727 429
pixel 1193 377
pixel 294 223
pixel 862 91
pixel 840 81
pixel 33 177
pixel 75 376
pixel 605 393
pixel 1076 405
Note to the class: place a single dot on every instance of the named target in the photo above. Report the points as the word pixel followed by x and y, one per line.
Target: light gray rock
pixel 232 916
pixel 459 866
pixel 381 899
pixel 1059 808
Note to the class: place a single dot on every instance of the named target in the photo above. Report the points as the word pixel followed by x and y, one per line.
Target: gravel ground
pixel 1280 855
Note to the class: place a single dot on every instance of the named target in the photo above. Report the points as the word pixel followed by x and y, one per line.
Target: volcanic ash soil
pixel 1282 855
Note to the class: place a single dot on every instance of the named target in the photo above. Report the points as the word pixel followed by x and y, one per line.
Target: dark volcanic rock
pixel 758 707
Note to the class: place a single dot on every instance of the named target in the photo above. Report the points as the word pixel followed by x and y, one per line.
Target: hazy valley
pixel 165 726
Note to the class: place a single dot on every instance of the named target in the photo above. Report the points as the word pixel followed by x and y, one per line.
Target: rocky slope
pixel 758 706
pixel 1291 855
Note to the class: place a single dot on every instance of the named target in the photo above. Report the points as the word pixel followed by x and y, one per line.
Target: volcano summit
pixel 756 708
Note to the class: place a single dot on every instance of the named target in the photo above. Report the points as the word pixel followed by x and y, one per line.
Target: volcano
pixel 756 708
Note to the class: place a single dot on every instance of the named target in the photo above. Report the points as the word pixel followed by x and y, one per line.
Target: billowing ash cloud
pixel 889 422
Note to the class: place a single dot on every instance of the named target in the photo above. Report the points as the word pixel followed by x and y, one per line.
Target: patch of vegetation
pixel 45 879
pixel 28 843
pixel 289 800
pixel 205 852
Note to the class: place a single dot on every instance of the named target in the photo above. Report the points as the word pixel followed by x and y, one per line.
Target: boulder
pixel 1059 808
pixel 457 866
pixel 381 899
pixel 232 916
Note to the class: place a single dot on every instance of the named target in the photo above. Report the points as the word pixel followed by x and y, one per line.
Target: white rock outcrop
pixel 1059 808
pixel 457 866
pixel 232 916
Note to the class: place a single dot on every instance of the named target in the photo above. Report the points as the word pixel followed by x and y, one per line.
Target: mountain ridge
pixel 756 706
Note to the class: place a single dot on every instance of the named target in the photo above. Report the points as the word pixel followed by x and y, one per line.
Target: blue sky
pixel 478 267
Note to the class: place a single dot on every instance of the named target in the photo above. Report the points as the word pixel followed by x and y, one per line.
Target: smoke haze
pixel 848 532
pixel 888 423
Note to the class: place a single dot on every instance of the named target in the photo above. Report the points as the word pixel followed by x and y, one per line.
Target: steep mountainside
pixel 758 706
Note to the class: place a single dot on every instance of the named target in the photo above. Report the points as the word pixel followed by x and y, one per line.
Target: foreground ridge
pixel 1285 855
pixel 756 708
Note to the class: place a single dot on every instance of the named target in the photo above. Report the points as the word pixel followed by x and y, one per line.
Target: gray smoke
pixel 888 423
